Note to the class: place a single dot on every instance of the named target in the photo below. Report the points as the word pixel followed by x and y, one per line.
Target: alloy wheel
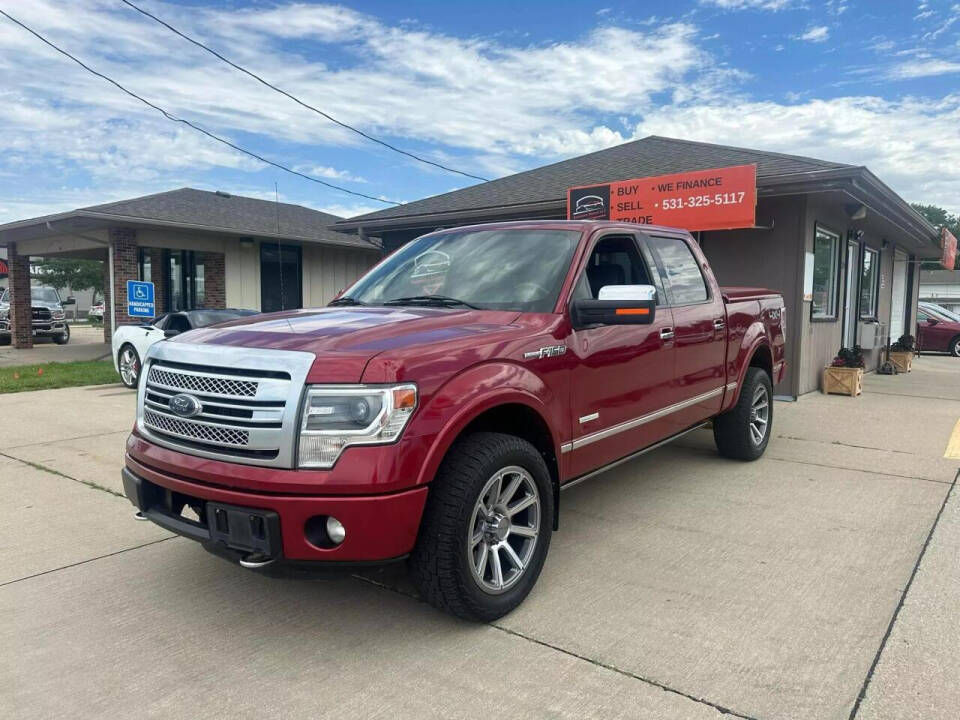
pixel 504 529
pixel 129 366
pixel 759 414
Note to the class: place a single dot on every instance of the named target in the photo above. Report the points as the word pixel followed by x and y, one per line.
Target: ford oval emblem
pixel 185 405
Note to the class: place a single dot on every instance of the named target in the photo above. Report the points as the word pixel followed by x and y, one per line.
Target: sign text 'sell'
pixel 714 199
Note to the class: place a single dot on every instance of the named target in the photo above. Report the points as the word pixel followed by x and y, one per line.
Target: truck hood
pixel 346 338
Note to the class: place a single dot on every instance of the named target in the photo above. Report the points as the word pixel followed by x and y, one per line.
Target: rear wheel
pixel 64 337
pixel 129 363
pixel 486 527
pixel 744 430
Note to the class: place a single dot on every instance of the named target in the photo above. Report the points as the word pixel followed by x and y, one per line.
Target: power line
pixel 298 100
pixel 174 118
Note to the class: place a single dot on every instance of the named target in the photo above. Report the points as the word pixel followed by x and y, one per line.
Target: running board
pixel 631 456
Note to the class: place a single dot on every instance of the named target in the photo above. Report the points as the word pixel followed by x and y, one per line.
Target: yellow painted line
pixel 953 446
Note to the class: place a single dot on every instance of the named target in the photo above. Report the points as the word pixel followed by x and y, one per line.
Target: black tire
pixel 64 337
pixel 955 346
pixel 441 563
pixel 4 339
pixel 139 365
pixel 732 430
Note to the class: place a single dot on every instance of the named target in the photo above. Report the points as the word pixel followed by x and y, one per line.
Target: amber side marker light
pixel 404 398
pixel 633 311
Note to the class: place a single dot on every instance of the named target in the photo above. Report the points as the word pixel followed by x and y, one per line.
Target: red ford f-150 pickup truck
pixel 437 407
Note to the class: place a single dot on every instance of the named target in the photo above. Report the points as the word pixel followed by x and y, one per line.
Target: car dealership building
pixel 200 249
pixel 842 247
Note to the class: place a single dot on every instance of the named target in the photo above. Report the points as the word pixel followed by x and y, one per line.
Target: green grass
pixel 19 378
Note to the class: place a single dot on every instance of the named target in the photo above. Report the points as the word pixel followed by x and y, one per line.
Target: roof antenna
pixel 276 202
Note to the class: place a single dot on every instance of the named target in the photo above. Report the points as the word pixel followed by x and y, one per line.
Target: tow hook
pixel 256 560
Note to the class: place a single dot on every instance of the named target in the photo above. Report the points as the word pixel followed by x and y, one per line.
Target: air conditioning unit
pixel 872 335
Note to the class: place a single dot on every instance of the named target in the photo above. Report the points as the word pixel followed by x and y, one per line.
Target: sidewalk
pixel 86 343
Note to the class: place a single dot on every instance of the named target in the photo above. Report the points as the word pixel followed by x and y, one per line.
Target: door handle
pixel 666 333
pixel 719 324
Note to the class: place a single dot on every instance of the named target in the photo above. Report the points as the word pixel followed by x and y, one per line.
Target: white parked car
pixel 130 342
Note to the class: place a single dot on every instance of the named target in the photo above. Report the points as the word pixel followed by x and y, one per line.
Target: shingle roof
pixel 223 211
pixel 648 156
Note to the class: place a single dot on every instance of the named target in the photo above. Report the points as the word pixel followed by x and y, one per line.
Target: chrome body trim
pixel 731 387
pixel 274 419
pixel 590 417
pixel 642 420
pixel 631 456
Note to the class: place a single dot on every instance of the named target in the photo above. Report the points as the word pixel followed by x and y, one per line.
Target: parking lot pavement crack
pixel 44 468
pixel 70 439
pixel 903 596
pixel 794 461
pixel 84 562
pixel 843 444
pixel 606 666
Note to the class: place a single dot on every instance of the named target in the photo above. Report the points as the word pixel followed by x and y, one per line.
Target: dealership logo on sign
pixel 713 199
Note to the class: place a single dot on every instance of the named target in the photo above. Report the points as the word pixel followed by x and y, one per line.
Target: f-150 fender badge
pixel 544 352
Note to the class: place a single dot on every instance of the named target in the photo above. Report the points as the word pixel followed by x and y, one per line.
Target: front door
pixel 622 374
pixel 898 302
pixel 700 335
pixel 280 277
pixel 850 304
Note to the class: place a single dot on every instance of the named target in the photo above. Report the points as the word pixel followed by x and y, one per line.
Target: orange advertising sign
pixel 949 244
pixel 713 199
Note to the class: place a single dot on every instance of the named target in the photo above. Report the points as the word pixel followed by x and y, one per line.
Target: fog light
pixel 335 530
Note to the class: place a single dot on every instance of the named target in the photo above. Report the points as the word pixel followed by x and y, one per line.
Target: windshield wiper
pixel 345 300
pixel 439 300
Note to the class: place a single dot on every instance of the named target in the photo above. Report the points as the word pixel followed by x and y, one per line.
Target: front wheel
pixel 955 347
pixel 486 527
pixel 64 337
pixel 129 363
pixel 743 431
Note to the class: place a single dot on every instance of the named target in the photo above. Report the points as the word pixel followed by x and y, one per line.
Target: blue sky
pixel 491 88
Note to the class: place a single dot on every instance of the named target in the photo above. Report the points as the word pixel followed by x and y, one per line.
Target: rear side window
pixel 684 280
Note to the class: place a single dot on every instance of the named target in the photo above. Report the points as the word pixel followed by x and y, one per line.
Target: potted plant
pixel 844 375
pixel 901 353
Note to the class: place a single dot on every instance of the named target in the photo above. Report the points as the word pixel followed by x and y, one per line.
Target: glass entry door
pixel 852 295
pixel 185 281
pixel 280 277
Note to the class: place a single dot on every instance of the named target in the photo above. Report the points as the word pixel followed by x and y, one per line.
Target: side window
pixel 922 316
pixel 613 261
pixel 684 278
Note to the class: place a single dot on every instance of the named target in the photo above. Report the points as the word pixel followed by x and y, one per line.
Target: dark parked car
pixel 49 318
pixel 937 330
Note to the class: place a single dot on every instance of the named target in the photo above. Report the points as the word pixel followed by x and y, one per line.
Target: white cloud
pixel 751 4
pixel 816 34
pixel 329 173
pixel 911 144
pixel 923 68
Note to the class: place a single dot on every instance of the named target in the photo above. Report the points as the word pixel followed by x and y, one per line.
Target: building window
pixel 869 275
pixel 143 258
pixel 826 253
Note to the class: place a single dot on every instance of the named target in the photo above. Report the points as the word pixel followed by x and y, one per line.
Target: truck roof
pixel 580 225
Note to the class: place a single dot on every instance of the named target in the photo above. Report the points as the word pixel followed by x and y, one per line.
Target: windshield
pixel 43 294
pixel 941 312
pixel 508 269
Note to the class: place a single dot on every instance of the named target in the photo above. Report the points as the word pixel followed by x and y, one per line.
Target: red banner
pixel 714 199
pixel 4 270
pixel 949 244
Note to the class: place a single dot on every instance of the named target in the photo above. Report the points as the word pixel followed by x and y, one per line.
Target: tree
pixel 939 218
pixel 63 273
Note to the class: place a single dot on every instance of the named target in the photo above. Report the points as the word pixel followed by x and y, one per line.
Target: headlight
pixel 337 416
pixel 59 315
pixel 4 312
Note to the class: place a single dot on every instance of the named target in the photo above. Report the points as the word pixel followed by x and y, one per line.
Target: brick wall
pixel 214 279
pixel 21 313
pixel 107 298
pixel 125 267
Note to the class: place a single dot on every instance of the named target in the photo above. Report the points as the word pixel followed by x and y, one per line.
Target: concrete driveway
pixel 818 582
pixel 86 343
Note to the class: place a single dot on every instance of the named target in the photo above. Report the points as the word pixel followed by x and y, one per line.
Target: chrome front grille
pixel 212 384
pixel 202 432
pixel 42 313
pixel 247 401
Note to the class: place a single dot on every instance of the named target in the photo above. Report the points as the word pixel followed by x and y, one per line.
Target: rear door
pixel 622 375
pixel 699 331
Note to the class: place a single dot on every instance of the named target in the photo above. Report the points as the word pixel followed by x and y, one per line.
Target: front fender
pixel 459 401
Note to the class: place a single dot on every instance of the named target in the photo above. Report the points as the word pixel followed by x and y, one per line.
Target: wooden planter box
pixel 843 381
pixel 902 361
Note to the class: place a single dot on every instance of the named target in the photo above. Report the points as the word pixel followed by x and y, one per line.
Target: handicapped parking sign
pixel 140 299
